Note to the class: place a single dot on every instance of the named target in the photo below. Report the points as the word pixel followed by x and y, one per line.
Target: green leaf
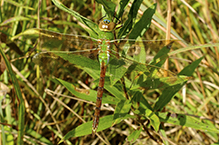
pixel 107 121
pixel 122 5
pixel 186 120
pixel 161 56
pixel 193 47
pixel 162 82
pixel 108 6
pixel 15 19
pixel 21 107
pixel 134 135
pixel 114 91
pixel 116 70
pixel 29 33
pixel 154 119
pixel 86 128
pixel 89 95
pixel 3 129
pixel 131 19
pixel 122 109
pixel 167 94
pixel 90 66
pixel 188 70
pixel 141 57
pixel 138 98
pixel 94 29
pixel 19 5
pixel 38 136
pixel 143 24
pixel 145 109
pixel 212 134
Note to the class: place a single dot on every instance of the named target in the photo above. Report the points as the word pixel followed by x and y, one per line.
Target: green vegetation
pixel 54 102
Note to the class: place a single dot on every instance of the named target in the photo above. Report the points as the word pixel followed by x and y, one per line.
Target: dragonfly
pixel 106 48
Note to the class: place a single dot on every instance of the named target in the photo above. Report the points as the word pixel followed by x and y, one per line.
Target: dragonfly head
pixel 106 25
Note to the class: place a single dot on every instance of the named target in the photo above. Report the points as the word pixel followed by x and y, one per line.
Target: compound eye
pixel 106 21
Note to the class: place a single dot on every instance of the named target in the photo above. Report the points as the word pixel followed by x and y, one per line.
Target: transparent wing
pixel 133 48
pixel 51 43
pixel 54 41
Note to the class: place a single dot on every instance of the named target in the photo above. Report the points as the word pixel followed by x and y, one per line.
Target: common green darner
pixel 107 54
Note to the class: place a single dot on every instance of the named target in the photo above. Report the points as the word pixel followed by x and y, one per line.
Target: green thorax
pixel 106 35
